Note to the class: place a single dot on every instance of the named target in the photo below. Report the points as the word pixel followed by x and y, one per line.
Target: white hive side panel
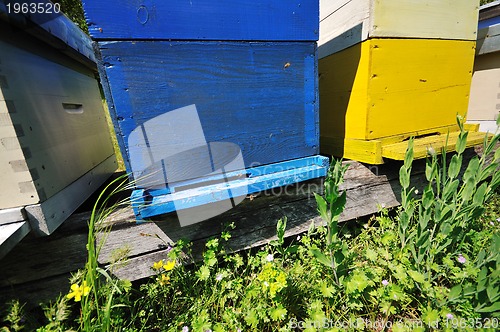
pixel 343 23
pixel 17 186
pixel 434 19
pixel 59 118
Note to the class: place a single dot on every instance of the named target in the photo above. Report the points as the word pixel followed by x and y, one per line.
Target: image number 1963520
pixel 32 7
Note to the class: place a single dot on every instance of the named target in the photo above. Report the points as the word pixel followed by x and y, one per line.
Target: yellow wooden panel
pixel 417 84
pixel 422 145
pixel 443 19
pixel 364 151
pixel 343 84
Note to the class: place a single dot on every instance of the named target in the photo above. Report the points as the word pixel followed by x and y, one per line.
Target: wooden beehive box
pixel 54 140
pixel 484 102
pixel 391 69
pixel 247 68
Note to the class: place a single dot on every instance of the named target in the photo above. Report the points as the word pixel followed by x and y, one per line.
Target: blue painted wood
pixel 151 204
pixel 489 22
pixel 258 20
pixel 261 96
pixel 52 27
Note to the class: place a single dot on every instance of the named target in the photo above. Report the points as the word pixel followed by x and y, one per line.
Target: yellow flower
pixel 169 265
pixel 78 291
pixel 163 279
pixel 158 265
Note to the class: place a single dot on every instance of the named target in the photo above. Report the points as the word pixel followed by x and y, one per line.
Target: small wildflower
pixel 266 284
pixel 238 330
pixel 78 291
pixel 185 329
pixel 431 151
pixel 298 237
pixel 158 265
pixel 498 219
pixel 416 191
pixel 270 258
pixel 382 205
pixel 385 282
pixel 219 277
pixel 461 259
pixel 492 223
pixel 449 316
pixel 169 265
pixel 163 279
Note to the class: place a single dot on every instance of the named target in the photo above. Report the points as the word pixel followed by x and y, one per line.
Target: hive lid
pixel 221 20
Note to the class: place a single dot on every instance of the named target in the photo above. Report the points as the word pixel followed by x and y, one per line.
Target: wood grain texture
pixel 203 19
pixel 259 96
pixel 411 84
pixel 344 23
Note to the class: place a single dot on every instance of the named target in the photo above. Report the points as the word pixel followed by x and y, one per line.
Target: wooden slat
pixel 437 142
pixel 205 19
pixel 8 216
pixel 222 191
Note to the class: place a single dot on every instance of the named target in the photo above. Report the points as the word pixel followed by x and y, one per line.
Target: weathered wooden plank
pixel 203 19
pixel 38 258
pixel 260 96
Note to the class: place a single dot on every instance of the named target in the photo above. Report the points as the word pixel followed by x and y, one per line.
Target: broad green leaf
pixel 280 230
pixel 455 293
pixel 479 195
pixel 493 292
pixel 417 276
pixel 461 142
pixel 492 308
pixel 409 154
pixel 472 169
pixel 322 207
pixel 278 313
pixel 321 257
pixel 468 190
pixel 482 279
pixel 497 155
pixel 428 197
pixel 450 189
pixel 455 165
pixel 338 206
pixel 404 177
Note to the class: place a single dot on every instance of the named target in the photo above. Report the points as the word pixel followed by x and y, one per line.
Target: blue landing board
pixel 261 96
pixel 258 20
pixel 153 203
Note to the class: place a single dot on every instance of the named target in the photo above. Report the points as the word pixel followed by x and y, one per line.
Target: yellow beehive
pixel 391 69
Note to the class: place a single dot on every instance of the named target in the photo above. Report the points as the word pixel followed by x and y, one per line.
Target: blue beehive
pixel 211 99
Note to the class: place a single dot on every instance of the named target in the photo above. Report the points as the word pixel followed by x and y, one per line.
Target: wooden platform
pixel 37 269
